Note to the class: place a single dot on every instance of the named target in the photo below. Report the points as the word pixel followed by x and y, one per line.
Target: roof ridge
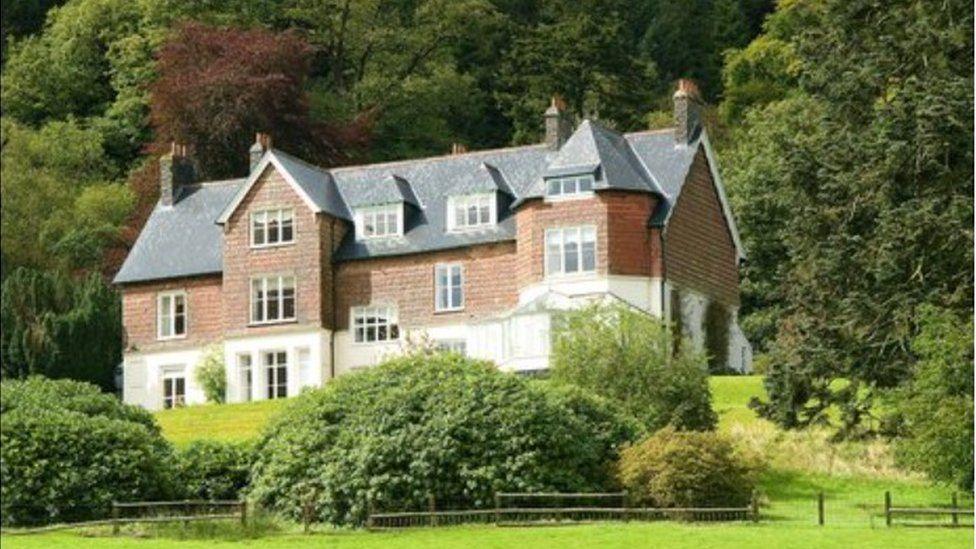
pixel 305 163
pixel 433 158
pixel 215 182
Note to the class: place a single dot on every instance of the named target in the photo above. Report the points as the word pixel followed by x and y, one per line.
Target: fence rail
pixel 209 508
pixel 549 515
pixel 890 511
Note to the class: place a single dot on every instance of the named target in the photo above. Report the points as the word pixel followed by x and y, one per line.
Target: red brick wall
pixel 302 258
pixel 408 282
pixel 202 305
pixel 625 245
pixel 699 251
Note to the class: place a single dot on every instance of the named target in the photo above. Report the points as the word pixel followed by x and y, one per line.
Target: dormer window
pixel 272 227
pixel 379 221
pixel 569 186
pixel 471 211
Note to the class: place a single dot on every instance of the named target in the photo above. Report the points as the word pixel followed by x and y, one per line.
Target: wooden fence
pixel 529 515
pixel 954 511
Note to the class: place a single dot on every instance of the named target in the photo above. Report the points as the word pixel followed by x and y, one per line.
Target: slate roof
pixel 185 239
pixel 182 239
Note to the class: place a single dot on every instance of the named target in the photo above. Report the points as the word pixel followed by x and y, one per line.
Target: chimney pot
pixel 687 112
pixel 559 124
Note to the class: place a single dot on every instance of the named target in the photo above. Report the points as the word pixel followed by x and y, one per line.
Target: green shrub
pixel 433 424
pixel 686 469
pixel 936 407
pixel 68 452
pixel 211 374
pixel 213 470
pixel 625 355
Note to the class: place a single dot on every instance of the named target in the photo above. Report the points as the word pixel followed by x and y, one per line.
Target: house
pixel 299 274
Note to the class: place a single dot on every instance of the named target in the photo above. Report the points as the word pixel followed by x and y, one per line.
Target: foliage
pixel 257 77
pixel 211 374
pixel 60 327
pixel 864 183
pixel 625 355
pixel 53 190
pixel 686 469
pixel 715 325
pixel 937 404
pixel 69 451
pixel 212 470
pixel 432 424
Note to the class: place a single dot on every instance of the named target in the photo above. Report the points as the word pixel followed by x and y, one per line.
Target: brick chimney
pixel 559 125
pixel 176 168
pixel 262 142
pixel 687 112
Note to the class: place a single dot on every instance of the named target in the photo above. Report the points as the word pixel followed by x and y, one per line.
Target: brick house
pixel 299 274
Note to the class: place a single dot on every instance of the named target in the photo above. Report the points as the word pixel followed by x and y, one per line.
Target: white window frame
pixel 478 201
pixel 363 214
pixel 171 312
pixel 575 182
pixel 279 215
pixel 365 312
pixel 579 231
pixel 450 305
pixel 272 380
pixel 459 346
pixel 246 375
pixel 281 299
pixel 171 374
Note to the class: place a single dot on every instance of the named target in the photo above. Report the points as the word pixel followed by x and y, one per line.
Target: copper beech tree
pixel 218 86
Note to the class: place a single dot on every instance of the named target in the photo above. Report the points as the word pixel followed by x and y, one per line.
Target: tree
pixel 256 76
pixel 936 406
pixel 58 327
pixel 870 186
pixel 211 374
pixel 626 355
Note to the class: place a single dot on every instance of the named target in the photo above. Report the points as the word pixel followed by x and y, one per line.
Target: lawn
pixel 243 421
pixel 853 477
pixel 664 534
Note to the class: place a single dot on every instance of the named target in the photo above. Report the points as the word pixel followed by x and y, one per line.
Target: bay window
pixel 570 250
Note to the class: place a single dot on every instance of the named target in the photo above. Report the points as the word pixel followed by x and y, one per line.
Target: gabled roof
pixel 312 183
pixel 183 239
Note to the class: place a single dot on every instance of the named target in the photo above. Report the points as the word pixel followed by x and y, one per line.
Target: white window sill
pixel 448 311
pixel 374 343
pixel 258 323
pixel 569 197
pixel 572 277
pixel 170 338
pixel 275 245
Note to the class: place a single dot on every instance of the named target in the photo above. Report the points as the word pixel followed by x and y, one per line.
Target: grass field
pixel 853 477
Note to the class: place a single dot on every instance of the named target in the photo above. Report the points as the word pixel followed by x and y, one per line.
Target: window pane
pixel 456 296
pixel 472 214
pixel 553 187
pixel 179 321
pixel 459 218
pixel 586 183
pixel 442 297
pixel 571 251
pixel 456 275
pixel 287 227
pixel 553 255
pixel 569 186
pixel 393 223
pixel 273 225
pixel 257 300
pixel 484 212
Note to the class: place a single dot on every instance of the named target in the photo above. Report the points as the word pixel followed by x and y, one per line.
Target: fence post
pixel 955 505
pixel 754 504
pixel 115 519
pixel 498 509
pixel 432 508
pixel 243 512
pixel 887 508
pixel 820 508
pixel 626 500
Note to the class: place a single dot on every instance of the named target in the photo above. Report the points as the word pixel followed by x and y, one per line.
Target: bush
pixel 936 406
pixel 433 424
pixel 625 355
pixel 213 470
pixel 686 469
pixel 68 452
pixel 211 374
